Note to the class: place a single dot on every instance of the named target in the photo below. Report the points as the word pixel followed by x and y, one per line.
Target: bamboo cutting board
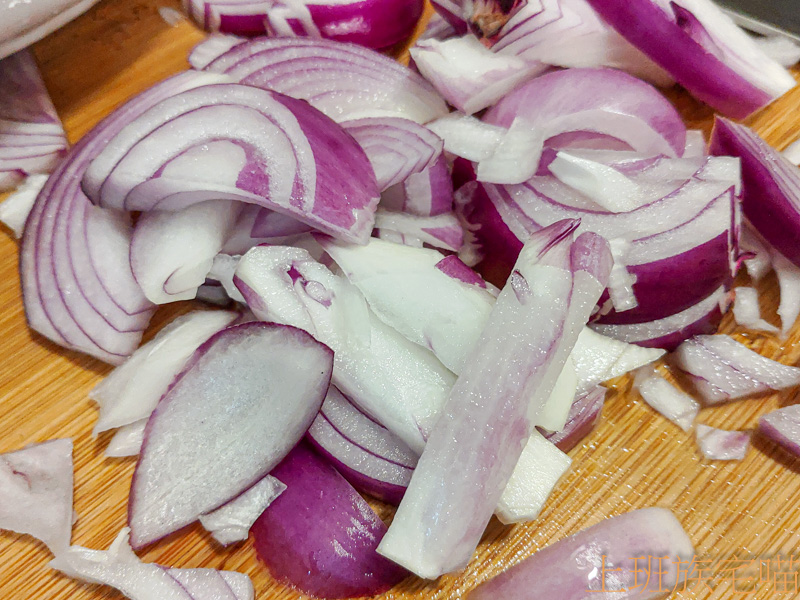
pixel 741 511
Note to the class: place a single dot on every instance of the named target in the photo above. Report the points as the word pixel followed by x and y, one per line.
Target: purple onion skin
pixel 320 536
pixel 381 23
pixel 766 206
pixel 705 325
pixel 387 492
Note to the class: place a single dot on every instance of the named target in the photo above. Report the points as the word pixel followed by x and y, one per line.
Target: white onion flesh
pixel 127 440
pixel 747 312
pixel 15 209
pixel 721 444
pixel 661 395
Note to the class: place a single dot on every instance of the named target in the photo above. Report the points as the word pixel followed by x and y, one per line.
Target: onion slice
pixel 572 567
pixel 244 399
pixel 660 394
pixel 584 414
pixel 747 312
pixel 32 139
pixel 184 151
pixel 428 193
pixel 320 535
pixel 127 440
pixel 703 49
pixel 15 209
pixel 120 568
pixel 783 426
pixel 720 444
pixel 722 369
pixel 36 492
pixel 490 435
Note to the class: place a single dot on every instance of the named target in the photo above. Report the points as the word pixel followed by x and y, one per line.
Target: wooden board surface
pixel 742 510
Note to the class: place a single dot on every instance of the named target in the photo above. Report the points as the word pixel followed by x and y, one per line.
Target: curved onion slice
pixel 441 231
pixel 664 397
pixel 232 521
pixel 367 454
pixel 15 209
pixel 131 391
pixel 371 23
pixel 720 444
pixel 596 102
pixel 396 148
pixel 425 194
pixel 77 284
pixel 571 568
pixel 584 414
pixel 488 436
pixel 783 426
pixel 722 369
pixel 32 139
pixel 236 142
pixel 36 492
pixel 244 399
pixel 320 535
pixel 747 312
pixel 343 81
pixel 770 185
pixel 703 49
pixel 120 568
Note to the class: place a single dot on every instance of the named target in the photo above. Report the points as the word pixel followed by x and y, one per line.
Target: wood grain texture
pixel 634 459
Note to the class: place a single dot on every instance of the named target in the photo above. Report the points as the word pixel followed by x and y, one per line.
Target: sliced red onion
pixel 425 194
pixel 15 209
pixel 789 284
pixel 231 522
pixel 222 270
pixel 554 415
pixel 469 75
pixel 319 535
pixel 131 391
pixel 490 435
pixel 574 567
pixel 127 440
pixel 211 48
pixel 77 285
pixel 371 23
pixel 437 28
pixel 598 358
pixel 454 267
pixel 720 444
pixel 32 139
pixel 752 245
pixel 442 231
pixel 792 153
pixel 244 399
pixel 599 102
pixel 396 147
pixel 36 492
pixel 120 568
pixel 183 151
pixel 367 454
pixel 771 185
pixel 779 48
pixel 23 24
pixel 703 49
pixel 783 426
pixel 395 381
pixel 667 333
pixel 343 81
pixel 584 414
pixel 661 395
pixel 172 252
pixel 722 369
pixel 695 144
pixel 747 312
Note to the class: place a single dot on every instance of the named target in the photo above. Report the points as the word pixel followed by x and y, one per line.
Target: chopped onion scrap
pixel 15 209
pixel 120 568
pixel 747 312
pixel 572 567
pixel 722 369
pixel 720 444
pixel 584 414
pixel 32 139
pixel 36 492
pixel 127 440
pixel 678 407
pixel 783 426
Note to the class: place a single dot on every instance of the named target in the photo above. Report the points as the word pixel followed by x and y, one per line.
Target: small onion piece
pixel 281 154
pixel 783 426
pixel 747 312
pixel 367 454
pixel 127 440
pixel 120 568
pixel 396 148
pixel 788 275
pixel 569 568
pixel 442 231
pixel 15 209
pixel 32 139
pixel 371 23
pixel 584 414
pixel 722 369
pixel 703 49
pixel 425 194
pixel 319 535
pixel 36 492
pixel 660 394
pixel 720 444
pixel 343 81
pixel 77 285
pixel 244 399
pixel 781 49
